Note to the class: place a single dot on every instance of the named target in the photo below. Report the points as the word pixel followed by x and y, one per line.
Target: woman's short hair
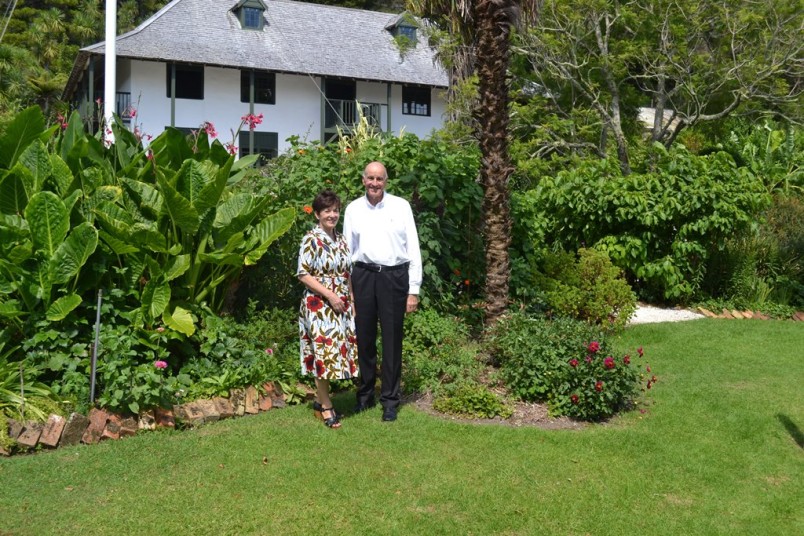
pixel 326 199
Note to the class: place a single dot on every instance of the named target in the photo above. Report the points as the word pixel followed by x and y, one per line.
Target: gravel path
pixel 647 314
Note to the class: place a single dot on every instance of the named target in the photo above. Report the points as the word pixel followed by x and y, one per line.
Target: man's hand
pixel 413 303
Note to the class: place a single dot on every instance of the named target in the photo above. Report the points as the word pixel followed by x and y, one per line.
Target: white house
pixel 305 67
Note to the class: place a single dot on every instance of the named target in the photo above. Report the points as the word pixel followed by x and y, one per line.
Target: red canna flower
pixel 573 363
pixel 594 346
pixel 609 362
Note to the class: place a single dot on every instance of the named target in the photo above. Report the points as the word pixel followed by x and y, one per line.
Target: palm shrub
pixel 564 362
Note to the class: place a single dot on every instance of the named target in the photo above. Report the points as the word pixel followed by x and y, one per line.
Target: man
pixel 386 277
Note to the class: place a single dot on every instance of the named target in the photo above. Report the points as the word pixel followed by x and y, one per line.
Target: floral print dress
pixel 328 345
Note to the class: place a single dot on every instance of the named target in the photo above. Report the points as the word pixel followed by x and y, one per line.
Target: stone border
pixel 735 314
pixel 101 425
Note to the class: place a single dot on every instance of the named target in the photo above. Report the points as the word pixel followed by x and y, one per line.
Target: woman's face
pixel 328 218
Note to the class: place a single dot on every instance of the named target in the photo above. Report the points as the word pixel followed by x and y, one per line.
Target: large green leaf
pixel 23 129
pixel 118 247
pixel 73 253
pixel 181 211
pixel 170 149
pixel 13 197
pixel 177 267
pixel 48 220
pixel 10 309
pixel 145 196
pixel 233 259
pixel 61 176
pixel 148 236
pixel 267 231
pixel 155 298
pixel 62 307
pixel 193 177
pixel 36 159
pixel 179 320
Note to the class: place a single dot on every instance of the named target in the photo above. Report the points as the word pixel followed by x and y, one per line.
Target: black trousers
pixel 380 297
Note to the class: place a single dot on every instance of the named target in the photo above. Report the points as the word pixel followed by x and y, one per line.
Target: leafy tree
pixel 692 61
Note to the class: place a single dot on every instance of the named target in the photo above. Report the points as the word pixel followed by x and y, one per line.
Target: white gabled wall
pixel 296 112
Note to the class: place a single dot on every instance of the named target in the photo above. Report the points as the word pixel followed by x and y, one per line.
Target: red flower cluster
pixel 627 359
pixel 594 346
pixel 209 128
pixel 599 386
pixel 573 362
pixel 609 362
pixel 574 399
pixel 640 352
pixel 314 303
pixel 252 120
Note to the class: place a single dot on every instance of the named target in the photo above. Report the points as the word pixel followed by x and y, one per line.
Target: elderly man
pixel 386 276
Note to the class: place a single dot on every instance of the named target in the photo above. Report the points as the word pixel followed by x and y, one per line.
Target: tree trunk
pixel 491 113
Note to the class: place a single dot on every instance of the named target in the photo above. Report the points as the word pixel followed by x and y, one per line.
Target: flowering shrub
pixel 567 363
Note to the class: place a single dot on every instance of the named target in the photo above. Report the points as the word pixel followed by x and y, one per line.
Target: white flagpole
pixel 110 69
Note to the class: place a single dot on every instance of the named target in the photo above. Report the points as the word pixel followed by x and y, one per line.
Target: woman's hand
pixel 338 305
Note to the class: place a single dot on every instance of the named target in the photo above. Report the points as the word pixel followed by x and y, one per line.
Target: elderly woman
pixel 326 316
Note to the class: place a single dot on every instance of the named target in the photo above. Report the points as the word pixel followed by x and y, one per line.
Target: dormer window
pixel 404 28
pixel 250 14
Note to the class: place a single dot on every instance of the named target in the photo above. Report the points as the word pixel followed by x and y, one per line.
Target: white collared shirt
pixel 384 234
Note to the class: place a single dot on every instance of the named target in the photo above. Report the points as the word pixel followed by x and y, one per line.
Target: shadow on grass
pixel 792 429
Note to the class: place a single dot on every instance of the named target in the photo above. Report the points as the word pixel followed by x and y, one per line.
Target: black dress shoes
pixel 360 408
pixel 389 414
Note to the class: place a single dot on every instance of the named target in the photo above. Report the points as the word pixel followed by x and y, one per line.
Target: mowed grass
pixel 720 450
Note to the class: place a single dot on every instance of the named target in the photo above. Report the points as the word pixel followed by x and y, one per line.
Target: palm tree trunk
pixel 492 59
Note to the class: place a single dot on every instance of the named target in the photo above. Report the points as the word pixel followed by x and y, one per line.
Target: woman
pixel 326 319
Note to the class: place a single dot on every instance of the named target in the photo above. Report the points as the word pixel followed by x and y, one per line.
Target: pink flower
pixel 599 386
pixel 209 128
pixel 594 346
pixel 269 351
pixel 252 120
pixel 573 363
pixel 588 359
pixel 609 362
pixel 160 364
pixel 232 148
pixel 160 329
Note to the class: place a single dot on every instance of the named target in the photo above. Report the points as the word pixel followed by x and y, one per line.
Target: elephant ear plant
pixel 161 224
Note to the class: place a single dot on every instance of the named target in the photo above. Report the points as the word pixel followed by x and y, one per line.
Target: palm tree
pixel 484 27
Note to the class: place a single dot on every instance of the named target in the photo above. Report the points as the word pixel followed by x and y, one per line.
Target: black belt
pixel 371 267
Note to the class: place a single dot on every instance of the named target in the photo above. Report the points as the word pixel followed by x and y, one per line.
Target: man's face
pixel 374 179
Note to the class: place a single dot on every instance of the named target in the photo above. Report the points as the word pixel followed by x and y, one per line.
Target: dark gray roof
pixel 297 38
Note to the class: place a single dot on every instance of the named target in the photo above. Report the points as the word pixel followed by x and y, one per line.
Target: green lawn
pixel 720 451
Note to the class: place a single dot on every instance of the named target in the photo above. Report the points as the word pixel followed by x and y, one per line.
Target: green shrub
pixel 439 180
pixel 659 226
pixel 588 288
pixel 437 351
pixel 564 362
pixel 229 356
pixel 471 399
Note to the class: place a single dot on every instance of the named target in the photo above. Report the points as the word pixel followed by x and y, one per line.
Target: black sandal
pixel 331 422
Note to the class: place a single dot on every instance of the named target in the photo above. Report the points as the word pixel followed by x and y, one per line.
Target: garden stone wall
pixel 100 425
